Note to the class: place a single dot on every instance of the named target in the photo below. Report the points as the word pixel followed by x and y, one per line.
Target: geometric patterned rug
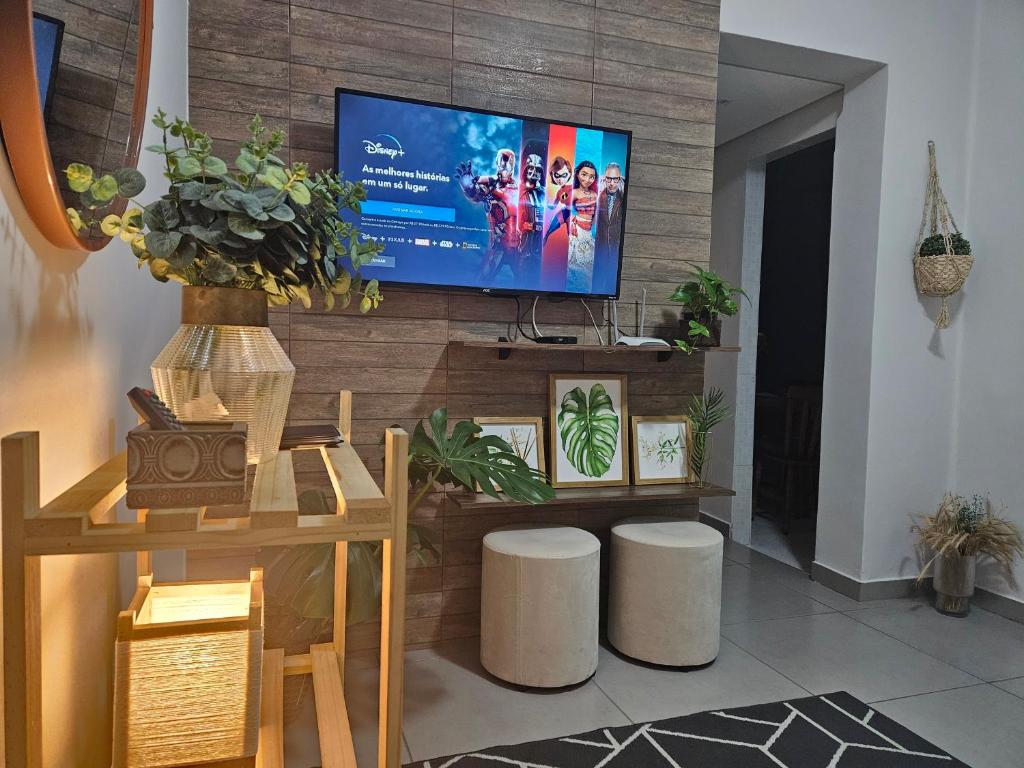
pixel 830 731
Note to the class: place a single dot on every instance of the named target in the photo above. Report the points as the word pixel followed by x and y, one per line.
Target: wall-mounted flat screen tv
pixel 483 200
pixel 47 37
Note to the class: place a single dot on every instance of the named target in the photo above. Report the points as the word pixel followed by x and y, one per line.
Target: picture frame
pixel 509 428
pixel 588 458
pixel 661 450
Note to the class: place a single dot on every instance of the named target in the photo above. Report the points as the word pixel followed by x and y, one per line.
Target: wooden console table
pixel 608 496
pixel 68 525
pixel 506 348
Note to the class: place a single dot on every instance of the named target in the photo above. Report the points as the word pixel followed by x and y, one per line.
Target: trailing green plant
pixel 935 245
pixel 300 579
pixel 962 527
pixel 266 225
pixel 706 411
pixel 705 296
pixel 589 429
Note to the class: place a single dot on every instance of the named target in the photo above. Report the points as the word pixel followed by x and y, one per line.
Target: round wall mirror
pixel 74 89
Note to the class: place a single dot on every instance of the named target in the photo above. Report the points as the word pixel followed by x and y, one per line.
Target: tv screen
pixel 47 35
pixel 471 199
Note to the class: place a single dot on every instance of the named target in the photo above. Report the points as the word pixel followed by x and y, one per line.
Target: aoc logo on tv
pixel 390 146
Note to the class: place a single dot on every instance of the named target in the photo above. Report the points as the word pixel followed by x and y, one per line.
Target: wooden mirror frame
pixel 24 129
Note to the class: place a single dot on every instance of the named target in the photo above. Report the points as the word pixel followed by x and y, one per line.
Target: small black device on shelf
pixel 555 340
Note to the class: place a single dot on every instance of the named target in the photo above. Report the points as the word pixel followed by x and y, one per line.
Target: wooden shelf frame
pixel 506 348
pixel 72 524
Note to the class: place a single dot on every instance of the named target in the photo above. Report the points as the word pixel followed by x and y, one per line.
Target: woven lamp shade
pixel 187 675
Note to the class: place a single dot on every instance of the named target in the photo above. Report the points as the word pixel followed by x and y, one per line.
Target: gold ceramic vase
pixel 224 364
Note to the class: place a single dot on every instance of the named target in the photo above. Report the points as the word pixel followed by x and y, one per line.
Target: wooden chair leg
pixel 787 499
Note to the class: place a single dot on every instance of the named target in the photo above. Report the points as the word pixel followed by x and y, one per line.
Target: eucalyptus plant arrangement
pixel 706 411
pixel 965 527
pixel 267 225
pixel 300 580
pixel 704 298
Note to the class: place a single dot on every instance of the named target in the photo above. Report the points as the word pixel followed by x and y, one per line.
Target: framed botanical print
pixel 588 430
pixel 661 450
pixel 524 433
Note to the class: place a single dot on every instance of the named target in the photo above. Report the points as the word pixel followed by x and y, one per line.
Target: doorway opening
pixel 791 353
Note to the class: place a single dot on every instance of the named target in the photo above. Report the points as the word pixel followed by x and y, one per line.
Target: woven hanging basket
pixel 942 274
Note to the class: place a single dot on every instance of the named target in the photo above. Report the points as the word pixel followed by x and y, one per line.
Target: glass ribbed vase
pixel 224 364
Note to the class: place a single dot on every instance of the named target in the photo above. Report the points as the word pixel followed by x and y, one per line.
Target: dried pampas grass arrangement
pixel 964 527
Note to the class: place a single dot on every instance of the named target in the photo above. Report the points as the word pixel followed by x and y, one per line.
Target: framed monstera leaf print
pixel 589 426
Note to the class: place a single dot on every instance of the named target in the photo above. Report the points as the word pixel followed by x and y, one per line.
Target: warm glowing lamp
pixel 187 674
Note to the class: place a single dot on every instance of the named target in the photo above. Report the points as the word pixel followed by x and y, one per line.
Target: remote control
pixel 153 410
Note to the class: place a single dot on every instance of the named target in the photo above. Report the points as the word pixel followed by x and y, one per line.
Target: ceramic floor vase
pixel 224 363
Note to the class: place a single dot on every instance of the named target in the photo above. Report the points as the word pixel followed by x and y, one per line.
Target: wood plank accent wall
pixel 646 65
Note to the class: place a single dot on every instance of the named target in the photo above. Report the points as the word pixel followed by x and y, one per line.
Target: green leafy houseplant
pixel 300 580
pixel 706 411
pixel 935 245
pixel 267 225
pixel 704 298
pixel 589 429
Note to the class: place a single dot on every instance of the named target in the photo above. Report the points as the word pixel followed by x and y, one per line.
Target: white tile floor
pixel 795 548
pixel 957 682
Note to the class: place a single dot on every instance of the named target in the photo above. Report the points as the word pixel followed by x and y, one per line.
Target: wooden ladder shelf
pixel 72 524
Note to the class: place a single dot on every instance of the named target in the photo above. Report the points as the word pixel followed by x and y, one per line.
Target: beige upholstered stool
pixel 665 601
pixel 539 604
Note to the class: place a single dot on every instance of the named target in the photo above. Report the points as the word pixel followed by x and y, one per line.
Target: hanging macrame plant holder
pixel 941 274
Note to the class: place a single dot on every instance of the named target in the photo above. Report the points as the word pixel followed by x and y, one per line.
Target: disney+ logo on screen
pixel 375 147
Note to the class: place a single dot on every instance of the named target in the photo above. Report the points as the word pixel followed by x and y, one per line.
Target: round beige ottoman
pixel 665 600
pixel 539 604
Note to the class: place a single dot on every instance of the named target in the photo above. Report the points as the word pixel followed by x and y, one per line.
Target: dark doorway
pixel 791 352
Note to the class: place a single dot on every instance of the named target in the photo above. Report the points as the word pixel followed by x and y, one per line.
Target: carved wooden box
pixel 203 465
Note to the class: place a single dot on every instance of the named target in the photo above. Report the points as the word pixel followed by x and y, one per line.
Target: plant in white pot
pixel 238 240
pixel 961 531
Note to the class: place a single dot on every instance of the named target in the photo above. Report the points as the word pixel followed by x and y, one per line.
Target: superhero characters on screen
pixel 498 194
pixel 531 212
pixel 524 211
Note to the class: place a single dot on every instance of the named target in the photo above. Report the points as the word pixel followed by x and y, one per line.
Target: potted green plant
pixel 267 232
pixel 961 531
pixel 706 411
pixel 705 298
pixel 300 580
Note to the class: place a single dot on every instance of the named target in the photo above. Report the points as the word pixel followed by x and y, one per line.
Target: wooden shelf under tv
pixel 605 496
pixel 506 348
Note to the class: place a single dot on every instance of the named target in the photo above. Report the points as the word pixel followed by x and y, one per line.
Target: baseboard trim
pixel 863 591
pixel 1002 605
pixel 886 589
pixel 717 523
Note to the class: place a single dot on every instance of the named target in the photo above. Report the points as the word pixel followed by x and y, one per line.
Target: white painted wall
pixel 910 411
pixel 75 334
pixel 889 426
pixel 990 412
